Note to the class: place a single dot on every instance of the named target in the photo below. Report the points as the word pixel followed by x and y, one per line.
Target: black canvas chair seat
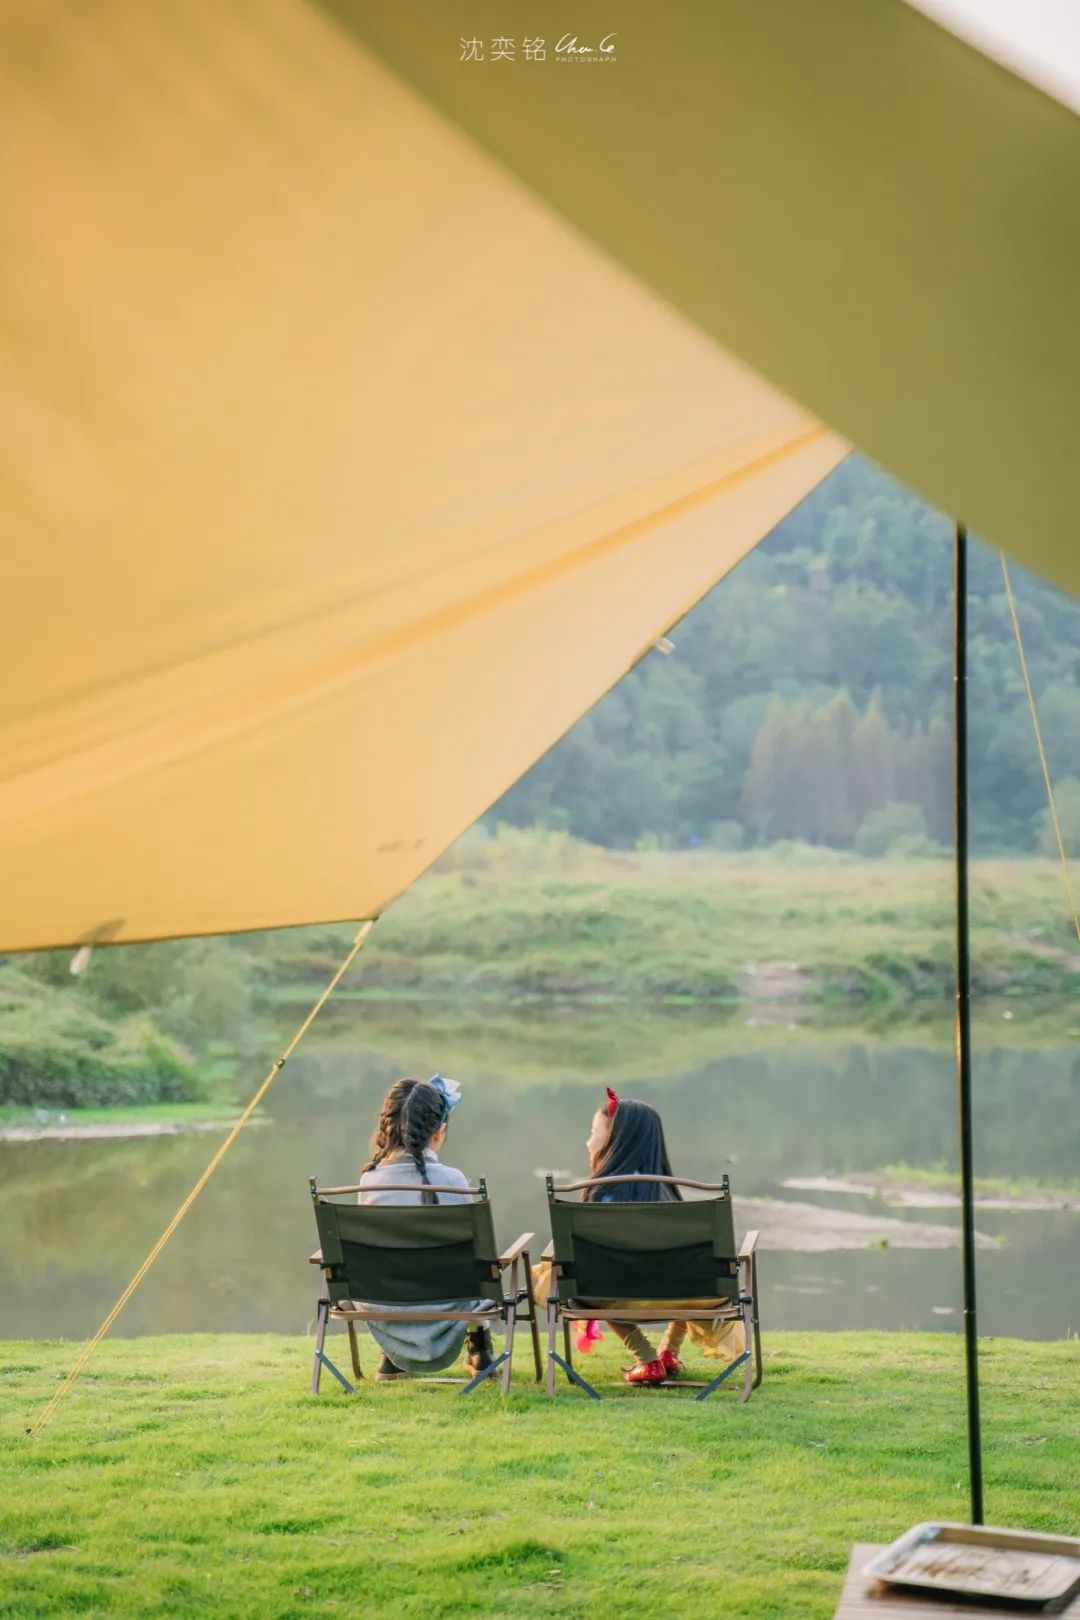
pixel 399 1262
pixel 650 1262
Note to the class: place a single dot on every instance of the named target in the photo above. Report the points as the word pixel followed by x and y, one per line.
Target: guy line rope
pixel 1066 875
pixel 91 1345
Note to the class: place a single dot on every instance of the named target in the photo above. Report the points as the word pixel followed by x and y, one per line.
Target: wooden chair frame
pixel 746 1310
pixel 511 1267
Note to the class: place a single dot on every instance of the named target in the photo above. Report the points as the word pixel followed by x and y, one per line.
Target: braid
pixel 387 1136
pixel 419 1122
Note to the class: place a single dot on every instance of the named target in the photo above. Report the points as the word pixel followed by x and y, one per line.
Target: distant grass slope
pixel 541 915
pixel 195 1476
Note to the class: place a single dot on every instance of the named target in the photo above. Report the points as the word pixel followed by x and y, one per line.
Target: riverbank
pixel 905 1186
pixel 197 1475
pixel 506 925
pixel 100 1124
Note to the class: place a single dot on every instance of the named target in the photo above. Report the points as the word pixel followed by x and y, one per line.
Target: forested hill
pixel 809 696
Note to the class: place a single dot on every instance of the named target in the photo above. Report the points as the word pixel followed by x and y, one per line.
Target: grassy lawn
pixel 197 1476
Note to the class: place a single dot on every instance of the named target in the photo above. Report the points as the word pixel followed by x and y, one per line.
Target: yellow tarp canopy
pixel 879 218
pixel 340 475
pixel 368 411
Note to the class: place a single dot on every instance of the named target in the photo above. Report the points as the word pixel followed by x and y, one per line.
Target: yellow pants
pixel 722 1338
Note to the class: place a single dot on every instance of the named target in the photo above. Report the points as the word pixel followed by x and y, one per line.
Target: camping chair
pixel 647 1255
pixel 395 1255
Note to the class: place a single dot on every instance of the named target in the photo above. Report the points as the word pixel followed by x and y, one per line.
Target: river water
pixel 762 1105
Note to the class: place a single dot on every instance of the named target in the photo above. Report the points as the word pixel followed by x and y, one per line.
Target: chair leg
pixel 321 1313
pixel 534 1326
pixel 553 1331
pixel 354 1350
pixel 511 1323
pixel 748 1332
pixel 732 1366
pixel 568 1349
pixel 322 1360
pixel 757 1323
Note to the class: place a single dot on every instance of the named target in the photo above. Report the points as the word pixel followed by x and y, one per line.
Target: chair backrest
pixel 402 1254
pixel 649 1251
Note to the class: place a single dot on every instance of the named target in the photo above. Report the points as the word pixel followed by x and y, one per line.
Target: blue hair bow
pixel 450 1092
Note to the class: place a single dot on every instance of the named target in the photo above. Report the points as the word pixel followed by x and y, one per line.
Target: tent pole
pixel 963 1019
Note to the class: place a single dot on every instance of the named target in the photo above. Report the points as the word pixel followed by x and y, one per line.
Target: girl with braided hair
pixel 412 1125
pixel 412 1128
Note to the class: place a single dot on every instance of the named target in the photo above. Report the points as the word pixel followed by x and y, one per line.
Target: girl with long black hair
pixel 627 1139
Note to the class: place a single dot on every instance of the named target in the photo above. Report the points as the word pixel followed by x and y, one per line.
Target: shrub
pixel 197 991
pixel 211 998
pixel 883 828
pixel 914 847
pixel 725 835
pixel 55 1051
pixel 797 852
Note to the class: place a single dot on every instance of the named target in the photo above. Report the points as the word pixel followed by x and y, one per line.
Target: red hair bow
pixel 612 1102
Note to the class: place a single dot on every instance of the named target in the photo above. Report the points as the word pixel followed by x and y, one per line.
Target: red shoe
pixel 672 1365
pixel 646 1372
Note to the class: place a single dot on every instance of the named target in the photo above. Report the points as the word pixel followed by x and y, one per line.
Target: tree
pixel 762 790
pixel 848 601
pixel 875 759
pixel 830 816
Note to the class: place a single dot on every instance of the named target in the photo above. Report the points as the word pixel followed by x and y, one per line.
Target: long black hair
pixel 412 1112
pixel 635 1146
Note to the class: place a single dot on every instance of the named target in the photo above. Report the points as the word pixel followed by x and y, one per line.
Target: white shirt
pixel 400 1170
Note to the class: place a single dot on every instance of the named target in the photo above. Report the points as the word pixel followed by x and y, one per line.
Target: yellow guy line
pixel 88 1349
pixel 1039 743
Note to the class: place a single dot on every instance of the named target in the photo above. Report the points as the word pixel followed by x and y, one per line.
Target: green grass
pixel 196 1476
pixel 136 1114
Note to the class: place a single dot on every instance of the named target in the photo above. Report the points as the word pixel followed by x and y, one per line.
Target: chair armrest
pixel 316 1258
pixel 749 1244
pixel 516 1249
pixel 549 1252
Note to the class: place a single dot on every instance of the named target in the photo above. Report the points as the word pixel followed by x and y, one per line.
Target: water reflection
pixel 78 1217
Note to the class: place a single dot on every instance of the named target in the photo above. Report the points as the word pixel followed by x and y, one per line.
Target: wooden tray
pixel 1019 1569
